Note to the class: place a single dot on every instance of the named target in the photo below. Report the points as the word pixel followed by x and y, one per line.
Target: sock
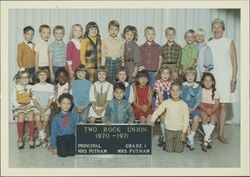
pixel 31 129
pixel 20 129
pixel 191 135
pixel 209 131
pixel 163 131
pixel 205 128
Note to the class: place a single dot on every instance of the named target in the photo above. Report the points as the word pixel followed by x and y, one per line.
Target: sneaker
pixel 31 144
pixel 161 143
pixel 209 146
pixel 44 143
pixel 20 145
pixel 191 145
pixel 204 146
pixel 160 138
pixel 38 142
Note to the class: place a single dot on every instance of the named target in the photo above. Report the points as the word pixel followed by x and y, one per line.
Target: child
pixel 112 51
pixel 80 92
pixel 119 110
pixel 99 95
pixel 57 52
pixel 26 53
pixel 41 49
pixel 191 94
pixel 63 128
pixel 23 107
pixel 151 54
pixel 43 94
pixel 73 49
pixel 176 119
pixel 122 76
pixel 205 58
pixel 161 87
pixel 132 58
pixel 90 51
pixel 143 98
pixel 171 52
pixel 209 107
pixel 189 52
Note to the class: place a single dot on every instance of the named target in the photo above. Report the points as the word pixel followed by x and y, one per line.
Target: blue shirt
pixel 58 51
pixel 57 128
pixel 191 94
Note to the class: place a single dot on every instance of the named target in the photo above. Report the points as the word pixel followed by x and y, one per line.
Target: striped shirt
pixel 58 51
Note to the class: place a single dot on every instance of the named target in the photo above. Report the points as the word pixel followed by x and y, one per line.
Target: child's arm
pixel 103 53
pixel 137 59
pixel 178 65
pixel 107 115
pixel 83 51
pixel 159 64
pixel 69 58
pixel 197 100
pixel 185 121
pixel 159 111
pixel 19 56
pixel 130 114
pixel 52 75
pixel 195 53
pixel 149 98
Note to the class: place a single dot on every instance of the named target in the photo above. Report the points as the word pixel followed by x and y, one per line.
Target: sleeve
pixel 131 95
pixel 34 92
pixel 136 55
pixel 107 115
pixel 157 86
pixel 159 111
pixel 185 118
pixel 130 114
pixel 92 94
pixel 198 97
pixel 103 52
pixel 50 48
pixel 195 53
pixel 54 132
pixel 208 62
pixel 182 58
pixel 19 55
pixel 83 49
pixel 69 53
pixel 110 93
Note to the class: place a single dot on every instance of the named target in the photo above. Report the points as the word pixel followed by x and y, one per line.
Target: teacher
pixel 225 70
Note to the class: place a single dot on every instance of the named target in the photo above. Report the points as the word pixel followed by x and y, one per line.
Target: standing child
pixel 99 95
pixel 41 49
pixel 112 50
pixel 209 107
pixel 90 51
pixel 162 87
pixel 176 119
pixel 143 97
pixel 189 52
pixel 43 94
pixel 23 107
pixel 171 52
pixel 57 52
pixel 80 93
pixel 119 110
pixel 132 57
pixel 191 94
pixel 63 128
pixel 73 49
pixel 122 76
pixel 26 53
pixel 151 54
pixel 205 58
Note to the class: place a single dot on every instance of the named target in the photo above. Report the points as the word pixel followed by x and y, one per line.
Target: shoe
pixel 38 142
pixel 209 146
pixel 161 144
pixel 204 146
pixel 164 148
pixel 44 143
pixel 20 145
pixel 31 144
pixel 160 138
pixel 191 145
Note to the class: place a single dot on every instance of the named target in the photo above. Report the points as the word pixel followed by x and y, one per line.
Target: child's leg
pixel 194 127
pixel 211 126
pixel 162 125
pixel 169 140
pixel 61 142
pixel 178 144
pixel 30 116
pixel 20 126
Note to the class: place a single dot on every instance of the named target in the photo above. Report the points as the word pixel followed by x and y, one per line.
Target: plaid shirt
pixel 171 54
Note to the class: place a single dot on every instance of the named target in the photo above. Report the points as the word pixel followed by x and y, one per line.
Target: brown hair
pixel 169 29
pixel 59 27
pixel 130 28
pixel 114 23
pixel 44 26
pixel 149 28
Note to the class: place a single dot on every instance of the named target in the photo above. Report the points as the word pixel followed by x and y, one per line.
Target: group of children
pixel 113 81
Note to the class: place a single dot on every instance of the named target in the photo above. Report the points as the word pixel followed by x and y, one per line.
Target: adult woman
pixel 225 70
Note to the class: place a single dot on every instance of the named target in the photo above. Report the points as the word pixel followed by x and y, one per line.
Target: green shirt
pixel 189 52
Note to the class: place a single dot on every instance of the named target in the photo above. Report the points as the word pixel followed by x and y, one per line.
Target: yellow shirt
pixel 176 117
pixel 83 48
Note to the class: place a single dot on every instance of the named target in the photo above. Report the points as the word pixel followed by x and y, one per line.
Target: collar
pixel 60 43
pixel 174 44
pixel 189 46
pixel 195 85
pixel 146 44
pixel 119 101
pixel 111 38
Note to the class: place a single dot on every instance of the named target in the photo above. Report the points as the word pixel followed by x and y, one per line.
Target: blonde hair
pixel 200 31
pixel 191 70
pixel 72 30
pixel 114 23
pixel 163 67
pixel 44 26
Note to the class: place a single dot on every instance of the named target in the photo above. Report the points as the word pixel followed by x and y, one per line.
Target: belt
pixel 170 63
pixel 128 59
pixel 113 58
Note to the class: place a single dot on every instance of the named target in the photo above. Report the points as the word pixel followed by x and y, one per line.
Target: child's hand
pixel 183 137
pixel 191 110
pixel 108 123
pixel 54 151
pixel 144 108
pixel 79 109
pixel 52 76
pixel 150 123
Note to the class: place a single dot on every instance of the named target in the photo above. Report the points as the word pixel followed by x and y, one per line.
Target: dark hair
pixel 28 28
pixel 132 29
pixel 82 67
pixel 114 23
pixel 142 73
pixel 213 84
pixel 119 85
pixel 61 71
pixel 92 24
pixel 65 95
pixel 122 68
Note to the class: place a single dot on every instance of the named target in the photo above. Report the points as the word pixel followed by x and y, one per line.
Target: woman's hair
pixel 122 68
pixel 163 67
pixel 130 28
pixel 213 84
pixel 72 30
pixel 18 75
pixel 220 21
pixel 82 67
pixel 92 24
pixel 142 73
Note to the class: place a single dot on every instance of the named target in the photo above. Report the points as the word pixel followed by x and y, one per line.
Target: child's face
pixel 217 30
pixel 81 74
pixel 113 31
pixel 28 36
pixel 143 81
pixel 65 104
pixel 61 78
pixel 59 35
pixel 119 94
pixel 190 77
pixel 122 76
pixel 175 92
pixel 208 82
pixel 101 76
pixel 77 32
pixel 190 38
pixel 165 75
pixel 45 34
pixel 170 36
pixel 24 79
pixel 129 36
pixel 150 35
pixel 200 38
pixel 93 31
pixel 42 76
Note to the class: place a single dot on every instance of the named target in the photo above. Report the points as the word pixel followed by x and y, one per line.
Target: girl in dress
pixel 209 107
pixel 143 97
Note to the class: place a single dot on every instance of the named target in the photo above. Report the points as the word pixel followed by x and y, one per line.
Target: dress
pixel 164 88
pixel 222 70
pixel 142 98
